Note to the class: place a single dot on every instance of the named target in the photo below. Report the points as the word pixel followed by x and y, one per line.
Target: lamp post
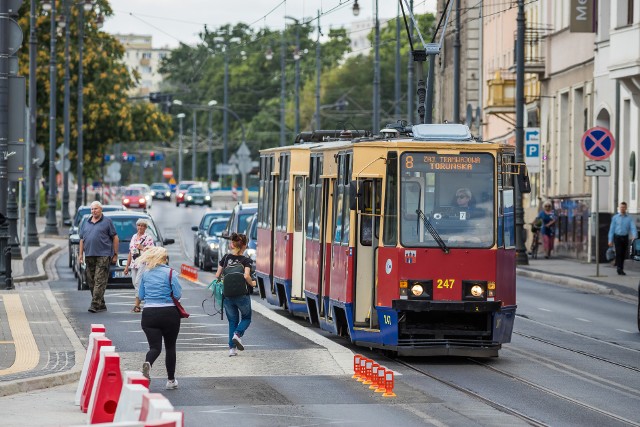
pixel 211 103
pixel 225 41
pixel 521 250
pixel 376 67
pixel 66 218
pixel 193 149
pixel 32 230
pixel 296 57
pixel 51 226
pixel 318 71
pixel 181 117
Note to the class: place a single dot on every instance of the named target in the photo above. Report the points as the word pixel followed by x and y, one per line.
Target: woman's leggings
pixel 160 323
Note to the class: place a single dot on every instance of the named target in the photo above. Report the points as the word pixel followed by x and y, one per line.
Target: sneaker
pixel 92 310
pixel 622 273
pixel 100 310
pixel 233 352
pixel 171 385
pixel 146 369
pixel 238 342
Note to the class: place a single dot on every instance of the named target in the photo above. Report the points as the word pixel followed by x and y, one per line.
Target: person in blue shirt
pixel 622 225
pixel 160 317
pixel 548 219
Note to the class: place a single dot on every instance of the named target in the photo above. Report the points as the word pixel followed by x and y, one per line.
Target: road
pixel 574 360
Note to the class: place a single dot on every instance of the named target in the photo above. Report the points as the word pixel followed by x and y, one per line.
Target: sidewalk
pixel 39 349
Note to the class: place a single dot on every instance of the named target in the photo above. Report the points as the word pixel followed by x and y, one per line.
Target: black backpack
pixel 234 284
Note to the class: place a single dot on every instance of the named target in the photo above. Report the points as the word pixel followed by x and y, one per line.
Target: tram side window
pixel 390 235
pixel 338 202
pixel 508 207
pixel 261 199
pixel 369 218
pixel 299 199
pixel 345 199
pixel 313 171
pixel 270 192
pixel 318 202
pixel 283 202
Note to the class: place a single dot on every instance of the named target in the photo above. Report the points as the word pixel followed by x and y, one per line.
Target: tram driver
pixel 465 209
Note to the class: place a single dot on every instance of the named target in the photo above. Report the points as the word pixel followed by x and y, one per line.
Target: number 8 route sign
pixel 598 143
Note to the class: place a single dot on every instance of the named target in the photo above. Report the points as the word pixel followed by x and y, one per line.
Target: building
pixel 141 57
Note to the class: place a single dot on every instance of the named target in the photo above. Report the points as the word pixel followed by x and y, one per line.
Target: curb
pixel 566 281
pixel 40 263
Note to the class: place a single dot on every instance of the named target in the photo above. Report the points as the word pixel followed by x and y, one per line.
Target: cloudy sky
pixel 173 21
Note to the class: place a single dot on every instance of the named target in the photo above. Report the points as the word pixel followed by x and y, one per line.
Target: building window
pixel 630 12
pixel 146 55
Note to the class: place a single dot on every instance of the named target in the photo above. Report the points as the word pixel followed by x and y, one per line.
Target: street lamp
pixel 356 8
pixel 211 103
pixel 66 218
pixel 225 41
pixel 296 57
pixel 32 229
pixel 51 226
pixel 180 116
pixel 376 67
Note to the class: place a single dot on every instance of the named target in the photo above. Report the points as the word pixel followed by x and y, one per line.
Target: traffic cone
pixel 108 390
pixel 389 383
pixel 380 379
pixel 356 366
pixel 367 374
pixel 362 370
pixel 98 343
pixel 374 376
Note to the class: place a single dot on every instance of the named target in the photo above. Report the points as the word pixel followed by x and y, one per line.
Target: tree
pixel 109 117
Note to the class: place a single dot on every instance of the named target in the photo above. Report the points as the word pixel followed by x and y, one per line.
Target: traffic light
pixel 125 156
pixel 152 156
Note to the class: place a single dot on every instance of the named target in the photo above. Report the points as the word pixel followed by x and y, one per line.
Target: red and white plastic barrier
pixel 109 385
pixel 97 330
pixel 130 403
pixel 98 343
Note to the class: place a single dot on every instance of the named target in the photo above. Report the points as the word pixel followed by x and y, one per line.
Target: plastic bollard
pixel 86 363
pixel 156 407
pixel 98 327
pixel 356 366
pixel 363 365
pixel 130 403
pixel 92 399
pixel 146 403
pixel 98 343
pixel 380 379
pixel 367 374
pixel 108 391
pixel 374 376
pixel 389 383
pixel 135 377
pixel 177 416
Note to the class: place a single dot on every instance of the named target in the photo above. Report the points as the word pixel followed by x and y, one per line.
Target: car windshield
pixel 87 210
pixel 160 186
pixel 126 228
pixel 132 192
pixel 196 190
pixel 216 228
pixel 206 220
pixel 243 222
pixel 184 186
pixel 253 233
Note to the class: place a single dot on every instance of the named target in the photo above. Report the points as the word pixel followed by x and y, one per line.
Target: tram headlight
pixel 475 290
pixel 417 290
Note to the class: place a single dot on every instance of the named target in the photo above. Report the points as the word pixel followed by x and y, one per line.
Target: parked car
pixel 146 191
pixel 197 195
pixel 160 191
pixel 81 212
pixel 201 232
pixel 238 222
pixel 208 248
pixel 181 190
pixel 133 198
pixel 125 225
pixel 252 234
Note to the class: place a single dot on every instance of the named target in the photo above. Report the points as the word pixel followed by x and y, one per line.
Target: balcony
pixel 624 59
pixel 501 94
pixel 534 61
pixel 145 61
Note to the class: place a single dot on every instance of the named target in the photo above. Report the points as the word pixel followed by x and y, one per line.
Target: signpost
pixel 598 144
pixel 532 149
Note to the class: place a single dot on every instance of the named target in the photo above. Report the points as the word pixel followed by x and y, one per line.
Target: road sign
pixel 167 173
pixel 222 169
pixel 598 168
pixel 67 165
pixel 62 151
pixel 112 177
pixel 532 149
pixel 598 143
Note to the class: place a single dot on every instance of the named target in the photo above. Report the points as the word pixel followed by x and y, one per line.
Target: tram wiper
pixel 432 231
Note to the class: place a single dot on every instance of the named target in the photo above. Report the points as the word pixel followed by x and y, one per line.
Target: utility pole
pixel 32 230
pixel 282 89
pixel 318 71
pixel 521 251
pixel 225 116
pixel 376 77
pixel 51 226
pixel 66 218
pixel 80 194
pixel 181 117
pixel 456 68
pixel 193 152
pixel 296 56
pixel 411 103
pixel 397 80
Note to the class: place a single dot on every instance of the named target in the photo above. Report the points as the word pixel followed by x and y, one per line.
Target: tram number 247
pixel 445 283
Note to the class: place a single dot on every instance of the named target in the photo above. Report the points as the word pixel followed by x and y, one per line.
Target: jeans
pixel 161 323
pixel 235 307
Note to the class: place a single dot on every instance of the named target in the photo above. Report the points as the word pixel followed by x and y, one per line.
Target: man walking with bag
pixel 622 225
pixel 98 248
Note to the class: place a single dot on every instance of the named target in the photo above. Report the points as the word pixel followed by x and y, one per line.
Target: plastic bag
pixel 611 254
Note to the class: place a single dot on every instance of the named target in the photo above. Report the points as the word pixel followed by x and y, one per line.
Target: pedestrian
pixel 622 225
pixel 98 248
pixel 236 271
pixel 548 230
pixel 160 317
pixel 138 244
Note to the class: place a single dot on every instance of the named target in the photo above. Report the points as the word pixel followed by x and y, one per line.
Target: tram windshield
pixel 454 193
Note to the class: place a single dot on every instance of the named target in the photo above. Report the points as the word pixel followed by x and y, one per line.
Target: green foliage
pixel 108 116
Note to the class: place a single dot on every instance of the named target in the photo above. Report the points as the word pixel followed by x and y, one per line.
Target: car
pixel 125 225
pixel 133 198
pixel 146 191
pixel 252 234
pixel 238 222
pixel 208 249
pixel 73 230
pixel 197 195
pixel 181 190
pixel 160 191
pixel 201 232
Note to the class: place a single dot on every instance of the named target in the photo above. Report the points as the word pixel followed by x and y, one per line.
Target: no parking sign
pixel 598 143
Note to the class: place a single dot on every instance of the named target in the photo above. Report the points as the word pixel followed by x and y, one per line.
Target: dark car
pixel 208 254
pixel 181 190
pixel 201 232
pixel 81 212
pixel 125 225
pixel 238 222
pixel 252 234
pixel 197 195
pixel 160 191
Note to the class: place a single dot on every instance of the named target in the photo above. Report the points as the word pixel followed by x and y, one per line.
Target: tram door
pixel 325 224
pixel 297 273
pixel 366 254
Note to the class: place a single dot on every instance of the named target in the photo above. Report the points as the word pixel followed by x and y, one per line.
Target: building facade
pixel 140 57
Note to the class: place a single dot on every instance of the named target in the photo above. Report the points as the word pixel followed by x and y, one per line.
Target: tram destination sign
pixel 432 162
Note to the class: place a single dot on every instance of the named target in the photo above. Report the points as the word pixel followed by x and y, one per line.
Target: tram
pixel 403 241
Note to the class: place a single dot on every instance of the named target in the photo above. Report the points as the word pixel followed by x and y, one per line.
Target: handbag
pixel 181 310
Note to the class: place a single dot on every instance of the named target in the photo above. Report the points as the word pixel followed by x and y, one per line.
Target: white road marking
pixel 543 309
pixel 583 320
pixel 625 331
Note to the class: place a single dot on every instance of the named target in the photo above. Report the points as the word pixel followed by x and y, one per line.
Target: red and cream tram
pixel 403 242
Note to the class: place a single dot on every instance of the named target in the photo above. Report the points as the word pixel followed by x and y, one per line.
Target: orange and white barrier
pixel 153 405
pixel 134 377
pixel 97 330
pixel 98 343
pixel 92 397
pixel 107 391
pixel 130 402
pixel 189 272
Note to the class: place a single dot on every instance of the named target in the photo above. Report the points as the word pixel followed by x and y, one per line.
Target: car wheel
pixel 196 257
pixel 70 259
pixel 206 265
pixel 177 205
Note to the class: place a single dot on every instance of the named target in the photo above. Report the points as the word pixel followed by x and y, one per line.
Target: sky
pixel 171 22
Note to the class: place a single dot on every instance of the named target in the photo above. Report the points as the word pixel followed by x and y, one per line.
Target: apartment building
pixel 143 58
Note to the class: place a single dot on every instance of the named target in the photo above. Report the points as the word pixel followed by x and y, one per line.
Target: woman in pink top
pixel 139 243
